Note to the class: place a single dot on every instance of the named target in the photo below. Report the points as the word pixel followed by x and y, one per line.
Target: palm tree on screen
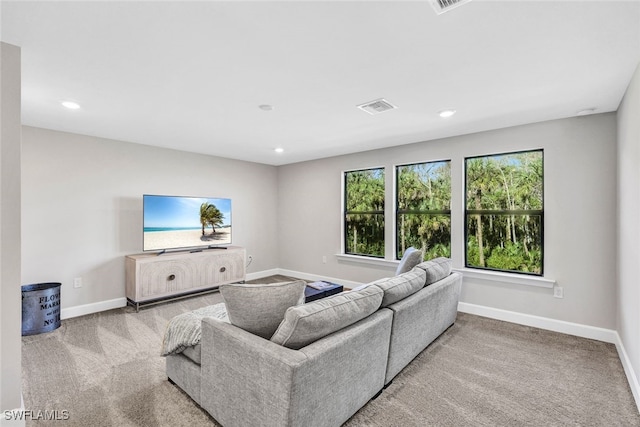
pixel 210 215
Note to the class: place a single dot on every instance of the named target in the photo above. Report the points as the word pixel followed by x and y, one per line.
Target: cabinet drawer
pixel 225 268
pixel 157 279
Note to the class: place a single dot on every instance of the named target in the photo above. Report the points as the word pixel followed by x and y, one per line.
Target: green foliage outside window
pixel 504 212
pixel 364 212
pixel 424 208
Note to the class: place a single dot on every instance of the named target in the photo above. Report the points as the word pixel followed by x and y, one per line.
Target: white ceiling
pixel 191 75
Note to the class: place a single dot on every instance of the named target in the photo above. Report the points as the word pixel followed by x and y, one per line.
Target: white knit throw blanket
pixel 185 330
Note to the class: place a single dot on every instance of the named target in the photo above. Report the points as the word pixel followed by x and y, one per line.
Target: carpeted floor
pixel 105 369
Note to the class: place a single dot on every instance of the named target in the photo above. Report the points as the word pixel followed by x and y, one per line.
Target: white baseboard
pixel 81 310
pixel 263 273
pixel 584 331
pixel 314 277
pixel 628 370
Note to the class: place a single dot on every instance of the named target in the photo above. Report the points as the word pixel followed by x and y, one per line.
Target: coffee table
pixel 313 294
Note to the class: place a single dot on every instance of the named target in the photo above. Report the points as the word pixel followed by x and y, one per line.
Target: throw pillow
pixel 259 309
pixel 399 287
pixel 436 269
pixel 410 259
pixel 307 323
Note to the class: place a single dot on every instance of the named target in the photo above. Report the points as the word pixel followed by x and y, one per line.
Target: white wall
pixel 580 215
pixel 10 307
pixel 82 207
pixel 628 223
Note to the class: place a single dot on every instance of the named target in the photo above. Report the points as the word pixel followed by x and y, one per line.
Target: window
pixel 364 212
pixel 423 209
pixel 504 212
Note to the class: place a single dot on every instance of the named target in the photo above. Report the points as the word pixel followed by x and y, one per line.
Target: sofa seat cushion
pixel 305 324
pixel 259 309
pixel 436 269
pixel 185 330
pixel 399 287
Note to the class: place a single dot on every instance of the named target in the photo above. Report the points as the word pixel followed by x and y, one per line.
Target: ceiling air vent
pixel 378 106
pixel 442 6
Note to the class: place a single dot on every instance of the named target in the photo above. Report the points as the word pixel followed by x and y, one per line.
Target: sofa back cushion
pixel 259 309
pixel 399 287
pixel 436 269
pixel 307 323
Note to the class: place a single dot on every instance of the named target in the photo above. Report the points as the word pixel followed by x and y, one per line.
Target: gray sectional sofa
pixel 326 359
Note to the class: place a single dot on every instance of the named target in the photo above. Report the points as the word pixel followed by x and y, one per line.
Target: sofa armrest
pixel 247 380
pixel 241 371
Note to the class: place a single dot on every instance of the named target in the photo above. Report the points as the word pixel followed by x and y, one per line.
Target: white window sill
pixel 493 276
pixel 497 276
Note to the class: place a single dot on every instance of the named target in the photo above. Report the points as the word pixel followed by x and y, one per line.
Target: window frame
pixel 346 212
pixel 398 211
pixel 519 212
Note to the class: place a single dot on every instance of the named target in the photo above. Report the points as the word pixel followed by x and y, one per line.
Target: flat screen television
pixel 181 222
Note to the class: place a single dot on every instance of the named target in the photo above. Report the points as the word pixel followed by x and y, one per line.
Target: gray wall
pixel 289 217
pixel 10 308
pixel 628 225
pixel 580 213
pixel 82 207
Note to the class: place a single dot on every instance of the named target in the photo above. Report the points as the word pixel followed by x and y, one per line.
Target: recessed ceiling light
pixel 586 112
pixel 70 105
pixel 265 107
pixel 279 150
pixel 446 113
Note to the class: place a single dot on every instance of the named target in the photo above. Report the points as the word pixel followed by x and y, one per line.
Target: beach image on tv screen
pixel 173 222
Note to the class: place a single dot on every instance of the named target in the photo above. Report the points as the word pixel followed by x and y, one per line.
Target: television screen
pixel 178 222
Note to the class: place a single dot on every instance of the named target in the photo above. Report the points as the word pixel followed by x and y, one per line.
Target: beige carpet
pixel 105 369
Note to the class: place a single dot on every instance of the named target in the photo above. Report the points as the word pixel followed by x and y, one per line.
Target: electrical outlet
pixel 77 282
pixel 324 259
pixel 558 292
